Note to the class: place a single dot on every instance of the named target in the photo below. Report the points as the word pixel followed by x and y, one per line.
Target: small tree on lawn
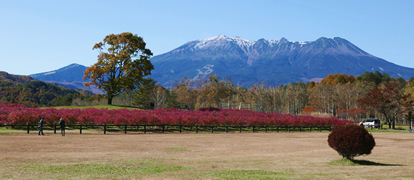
pixel 351 140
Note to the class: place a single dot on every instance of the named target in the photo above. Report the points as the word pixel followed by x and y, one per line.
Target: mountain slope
pixel 31 92
pixel 274 62
pixel 70 76
pixel 70 73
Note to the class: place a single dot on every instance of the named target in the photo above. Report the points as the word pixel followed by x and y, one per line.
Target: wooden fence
pixel 163 128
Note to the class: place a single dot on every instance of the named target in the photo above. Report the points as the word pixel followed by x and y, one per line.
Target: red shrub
pixel 351 140
pixel 18 114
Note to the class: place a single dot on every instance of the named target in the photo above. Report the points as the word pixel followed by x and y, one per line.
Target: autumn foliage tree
pixel 212 91
pixel 122 64
pixel 388 100
pixel 186 93
pixel 351 140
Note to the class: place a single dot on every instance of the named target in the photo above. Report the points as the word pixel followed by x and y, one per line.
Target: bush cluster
pixel 19 114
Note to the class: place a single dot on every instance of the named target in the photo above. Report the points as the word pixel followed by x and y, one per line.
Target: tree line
pixel 337 95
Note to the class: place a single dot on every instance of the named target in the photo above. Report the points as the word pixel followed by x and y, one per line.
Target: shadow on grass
pixel 370 163
pixel 353 162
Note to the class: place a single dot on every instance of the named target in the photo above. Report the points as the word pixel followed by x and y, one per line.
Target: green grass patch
pixel 247 174
pixel 176 148
pixel 7 130
pixel 8 133
pixel 101 170
pixel 402 127
pixel 343 162
pixel 386 130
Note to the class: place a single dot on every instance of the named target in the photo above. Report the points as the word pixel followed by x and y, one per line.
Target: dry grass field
pixel 283 155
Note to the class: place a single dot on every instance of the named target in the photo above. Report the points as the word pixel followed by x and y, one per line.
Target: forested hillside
pixel 26 90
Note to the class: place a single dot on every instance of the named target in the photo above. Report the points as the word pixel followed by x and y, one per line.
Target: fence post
pixel 145 128
pixel 300 128
pixel 329 128
pixel 196 129
pixel 54 129
pixel 28 127
pixel 288 128
pixel 253 128
pixel 226 128
pixel 265 128
pixel 320 128
pixel 104 128
pixel 180 128
pixel 240 128
pixel 211 129
pixel 80 128
pixel 162 128
pixel 310 128
pixel 125 128
pixel 277 128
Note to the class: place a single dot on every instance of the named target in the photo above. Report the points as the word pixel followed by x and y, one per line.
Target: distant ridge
pixel 70 73
pixel 69 76
pixel 14 79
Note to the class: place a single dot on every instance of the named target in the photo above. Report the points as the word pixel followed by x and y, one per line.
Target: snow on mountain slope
pixel 271 61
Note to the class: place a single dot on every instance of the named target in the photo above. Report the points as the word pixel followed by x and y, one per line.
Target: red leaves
pixel 12 114
pixel 351 140
pixel 388 100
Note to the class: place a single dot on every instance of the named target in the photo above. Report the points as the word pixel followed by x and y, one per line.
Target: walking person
pixel 40 126
pixel 62 126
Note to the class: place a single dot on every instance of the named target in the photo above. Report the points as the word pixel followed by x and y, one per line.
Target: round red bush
pixel 351 140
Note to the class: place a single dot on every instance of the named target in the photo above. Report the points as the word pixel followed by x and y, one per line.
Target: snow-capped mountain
pixel 273 62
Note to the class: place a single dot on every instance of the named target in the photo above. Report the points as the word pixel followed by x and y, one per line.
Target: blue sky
pixel 39 36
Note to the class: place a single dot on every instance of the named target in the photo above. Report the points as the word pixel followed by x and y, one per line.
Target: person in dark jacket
pixel 40 126
pixel 62 125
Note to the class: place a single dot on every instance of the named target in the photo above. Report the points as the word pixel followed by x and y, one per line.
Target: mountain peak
pixel 220 40
pixel 283 40
pixel 216 38
pixel 337 45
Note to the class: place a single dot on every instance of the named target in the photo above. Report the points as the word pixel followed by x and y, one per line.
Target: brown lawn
pixel 283 155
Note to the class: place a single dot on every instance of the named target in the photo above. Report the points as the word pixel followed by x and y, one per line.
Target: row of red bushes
pixel 19 114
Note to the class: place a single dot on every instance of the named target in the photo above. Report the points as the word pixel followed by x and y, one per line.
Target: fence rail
pixel 163 128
